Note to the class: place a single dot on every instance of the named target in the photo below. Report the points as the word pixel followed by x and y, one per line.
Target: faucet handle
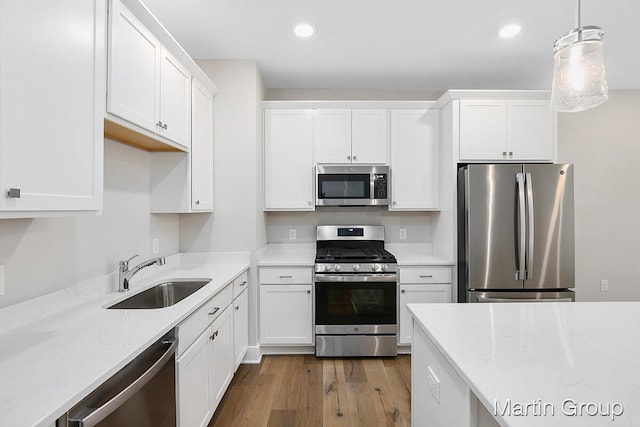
pixel 124 265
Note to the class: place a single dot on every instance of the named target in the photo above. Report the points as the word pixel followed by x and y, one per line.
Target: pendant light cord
pixel 578 21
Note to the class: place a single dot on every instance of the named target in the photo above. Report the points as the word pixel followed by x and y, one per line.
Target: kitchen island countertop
pixel 539 364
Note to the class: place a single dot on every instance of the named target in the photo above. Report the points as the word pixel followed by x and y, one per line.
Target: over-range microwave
pixel 352 185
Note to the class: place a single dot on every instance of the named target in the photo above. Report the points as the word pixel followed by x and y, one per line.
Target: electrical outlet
pixel 403 234
pixel 434 383
pixel 155 245
pixel 1 279
pixel 292 234
pixel 604 285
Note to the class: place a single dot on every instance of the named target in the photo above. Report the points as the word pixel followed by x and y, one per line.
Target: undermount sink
pixel 162 295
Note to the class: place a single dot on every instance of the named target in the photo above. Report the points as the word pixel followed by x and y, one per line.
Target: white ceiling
pixel 401 44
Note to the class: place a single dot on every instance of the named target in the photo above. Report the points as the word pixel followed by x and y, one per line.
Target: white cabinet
pixel 421 285
pixel 286 306
pixel 506 130
pixel 183 182
pixel 194 408
pixel 414 159
pixel 220 356
pixel 51 106
pixel 147 86
pixel 288 160
pixel 204 360
pixel 351 136
pixel 240 319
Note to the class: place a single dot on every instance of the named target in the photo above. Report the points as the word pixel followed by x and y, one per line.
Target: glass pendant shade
pixel 579 80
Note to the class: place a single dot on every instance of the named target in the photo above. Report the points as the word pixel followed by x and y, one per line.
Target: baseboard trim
pixel 253 355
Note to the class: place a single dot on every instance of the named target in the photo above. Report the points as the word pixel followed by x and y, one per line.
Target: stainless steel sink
pixel 163 294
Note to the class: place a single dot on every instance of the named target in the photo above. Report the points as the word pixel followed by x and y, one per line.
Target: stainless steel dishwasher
pixel 142 394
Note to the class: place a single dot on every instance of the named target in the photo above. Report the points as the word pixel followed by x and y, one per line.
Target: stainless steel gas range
pixel 355 292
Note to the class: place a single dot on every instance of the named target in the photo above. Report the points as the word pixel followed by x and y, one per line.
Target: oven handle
pixel 356 277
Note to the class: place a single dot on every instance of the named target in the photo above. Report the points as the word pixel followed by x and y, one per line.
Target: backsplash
pixel 417 224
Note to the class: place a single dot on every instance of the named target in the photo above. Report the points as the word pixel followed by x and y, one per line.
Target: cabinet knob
pixel 164 126
pixel 355 158
pixel 159 124
pixel 403 291
pixel 510 153
pixel 310 203
pixel 237 307
pixel 197 202
pixel 504 154
pixel 308 292
pixel 348 157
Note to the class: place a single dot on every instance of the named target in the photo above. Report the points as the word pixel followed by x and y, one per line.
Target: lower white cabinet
pixel 420 285
pixel 220 357
pixel 194 408
pixel 286 314
pixel 240 327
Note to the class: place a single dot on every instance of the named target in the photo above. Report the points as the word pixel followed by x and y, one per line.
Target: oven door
pixel 366 302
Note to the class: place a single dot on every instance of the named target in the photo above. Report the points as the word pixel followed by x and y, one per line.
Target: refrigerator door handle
pixel 522 232
pixel 530 211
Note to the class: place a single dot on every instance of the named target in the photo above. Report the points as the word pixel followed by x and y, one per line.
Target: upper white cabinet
pixel 147 86
pixel 414 159
pixel 506 130
pixel 183 182
pixel 351 136
pixel 288 159
pixel 52 87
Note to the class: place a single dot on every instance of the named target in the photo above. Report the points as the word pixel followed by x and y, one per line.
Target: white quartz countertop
pixel 303 254
pixel 552 354
pixel 49 364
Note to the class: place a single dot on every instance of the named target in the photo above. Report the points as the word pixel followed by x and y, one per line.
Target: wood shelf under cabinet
pixel 133 138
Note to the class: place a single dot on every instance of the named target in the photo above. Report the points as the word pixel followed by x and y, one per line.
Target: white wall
pixel 604 145
pixel 237 223
pixel 44 255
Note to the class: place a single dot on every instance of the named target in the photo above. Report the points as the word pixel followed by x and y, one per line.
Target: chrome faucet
pixel 125 274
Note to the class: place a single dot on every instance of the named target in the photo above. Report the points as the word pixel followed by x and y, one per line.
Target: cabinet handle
pixel 288 276
pixel 197 202
pixel 308 292
pixel 159 124
pixel 244 282
pixel 164 126
pixel 426 276
pixel 403 291
pixel 13 193
pixel 355 158
pixel 504 154
pixel 348 157
pixel 511 154
pixel 237 307
pixel 213 336
pixel 215 310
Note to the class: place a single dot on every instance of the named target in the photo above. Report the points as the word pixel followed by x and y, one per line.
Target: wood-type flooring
pixel 305 391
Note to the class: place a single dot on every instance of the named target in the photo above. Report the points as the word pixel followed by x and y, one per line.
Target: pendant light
pixel 579 80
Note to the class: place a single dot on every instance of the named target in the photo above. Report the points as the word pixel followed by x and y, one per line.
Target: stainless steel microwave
pixel 352 185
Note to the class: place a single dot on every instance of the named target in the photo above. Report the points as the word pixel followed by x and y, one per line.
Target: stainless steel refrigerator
pixel 515 233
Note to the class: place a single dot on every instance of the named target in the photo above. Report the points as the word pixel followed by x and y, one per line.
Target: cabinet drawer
pixel 193 326
pixel 425 275
pixel 240 284
pixel 279 276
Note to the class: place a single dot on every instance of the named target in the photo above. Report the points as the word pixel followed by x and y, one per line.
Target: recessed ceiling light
pixel 304 30
pixel 509 31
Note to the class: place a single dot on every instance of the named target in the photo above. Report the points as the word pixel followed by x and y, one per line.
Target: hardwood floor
pixel 305 391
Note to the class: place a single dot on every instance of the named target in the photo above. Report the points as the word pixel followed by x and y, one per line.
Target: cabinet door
pixel 286 314
pixel 194 408
pixel 483 129
pixel 288 157
pixel 52 104
pixel 134 70
pixel 201 148
pixel 240 327
pixel 530 128
pixel 414 159
pixel 175 100
pixel 220 357
pixel 418 294
pixel 369 136
pixel 332 136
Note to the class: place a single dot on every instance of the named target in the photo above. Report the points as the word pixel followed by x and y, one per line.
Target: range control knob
pixel 337 267
pixel 384 267
pixel 327 267
pixel 375 267
pixel 356 267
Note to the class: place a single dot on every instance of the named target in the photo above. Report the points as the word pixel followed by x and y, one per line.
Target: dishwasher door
pixel 142 394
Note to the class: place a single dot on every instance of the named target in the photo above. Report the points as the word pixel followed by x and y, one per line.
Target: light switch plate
pixel 1 279
pixel 292 234
pixel 403 234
